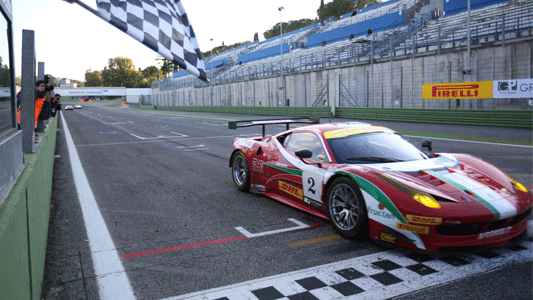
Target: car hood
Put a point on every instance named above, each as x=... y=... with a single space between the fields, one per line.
x=437 y=163
x=443 y=178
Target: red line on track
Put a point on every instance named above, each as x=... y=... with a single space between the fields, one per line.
x=181 y=247
x=317 y=224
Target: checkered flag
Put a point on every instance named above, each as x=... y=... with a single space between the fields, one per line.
x=162 y=25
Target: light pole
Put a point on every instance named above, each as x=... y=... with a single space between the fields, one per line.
x=211 y=62
x=284 y=92
x=159 y=58
x=469 y=39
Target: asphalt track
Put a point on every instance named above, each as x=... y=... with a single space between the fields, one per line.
x=162 y=185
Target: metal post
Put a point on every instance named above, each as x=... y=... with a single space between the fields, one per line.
x=503 y=29
x=27 y=94
x=284 y=92
x=438 y=41
x=469 y=57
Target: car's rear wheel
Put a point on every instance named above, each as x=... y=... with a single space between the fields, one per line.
x=240 y=171
x=346 y=208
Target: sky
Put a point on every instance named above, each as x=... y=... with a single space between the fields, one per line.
x=71 y=40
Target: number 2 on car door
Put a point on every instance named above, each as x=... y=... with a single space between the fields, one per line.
x=312 y=185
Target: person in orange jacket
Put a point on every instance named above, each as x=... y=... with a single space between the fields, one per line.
x=40 y=97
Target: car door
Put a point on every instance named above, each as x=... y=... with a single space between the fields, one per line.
x=311 y=171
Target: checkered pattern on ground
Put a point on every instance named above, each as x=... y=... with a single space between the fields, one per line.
x=376 y=276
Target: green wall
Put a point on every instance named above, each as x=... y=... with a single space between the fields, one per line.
x=24 y=218
x=502 y=118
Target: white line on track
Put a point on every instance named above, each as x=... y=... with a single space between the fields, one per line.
x=113 y=282
x=467 y=141
x=252 y=235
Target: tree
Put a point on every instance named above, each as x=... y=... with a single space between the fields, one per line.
x=168 y=67
x=150 y=74
x=287 y=27
x=93 y=78
x=5 y=74
x=338 y=8
x=120 y=72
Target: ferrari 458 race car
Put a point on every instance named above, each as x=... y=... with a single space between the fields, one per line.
x=370 y=181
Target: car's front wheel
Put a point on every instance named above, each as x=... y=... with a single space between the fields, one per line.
x=240 y=171
x=346 y=208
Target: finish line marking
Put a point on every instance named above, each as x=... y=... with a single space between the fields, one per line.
x=375 y=276
x=112 y=280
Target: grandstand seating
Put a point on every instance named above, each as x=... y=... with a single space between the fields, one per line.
x=486 y=26
x=261 y=60
x=452 y=7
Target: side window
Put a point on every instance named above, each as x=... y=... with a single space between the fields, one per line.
x=306 y=140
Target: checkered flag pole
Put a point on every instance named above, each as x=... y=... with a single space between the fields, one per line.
x=162 y=25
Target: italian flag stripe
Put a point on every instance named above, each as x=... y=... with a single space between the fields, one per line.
x=457 y=185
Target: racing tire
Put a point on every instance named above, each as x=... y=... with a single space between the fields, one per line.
x=240 y=171
x=346 y=208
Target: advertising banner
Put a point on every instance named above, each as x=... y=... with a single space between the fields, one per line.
x=458 y=90
x=514 y=88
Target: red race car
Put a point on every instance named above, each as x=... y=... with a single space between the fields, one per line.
x=370 y=181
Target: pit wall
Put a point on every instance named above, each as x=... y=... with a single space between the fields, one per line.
x=24 y=217
x=501 y=118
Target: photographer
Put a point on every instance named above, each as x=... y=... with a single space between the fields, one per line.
x=56 y=104
x=46 y=110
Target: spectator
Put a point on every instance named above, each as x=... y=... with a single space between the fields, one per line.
x=46 y=110
x=56 y=104
x=40 y=88
x=351 y=36
x=368 y=32
x=324 y=43
x=354 y=13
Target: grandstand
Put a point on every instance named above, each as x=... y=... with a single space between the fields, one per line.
x=402 y=30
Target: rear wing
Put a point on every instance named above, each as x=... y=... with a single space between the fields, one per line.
x=287 y=121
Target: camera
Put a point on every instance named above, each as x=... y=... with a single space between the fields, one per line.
x=48 y=87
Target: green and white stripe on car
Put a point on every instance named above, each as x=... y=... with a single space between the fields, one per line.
x=494 y=201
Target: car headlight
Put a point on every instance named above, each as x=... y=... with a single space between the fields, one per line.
x=518 y=186
x=426 y=200
x=421 y=197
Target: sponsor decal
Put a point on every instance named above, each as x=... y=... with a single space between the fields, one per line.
x=257 y=165
x=381 y=206
x=518 y=88
x=386 y=237
x=462 y=90
x=344 y=132
x=413 y=228
x=290 y=189
x=380 y=213
x=502 y=231
x=423 y=220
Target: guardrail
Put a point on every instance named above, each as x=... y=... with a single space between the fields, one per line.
x=499 y=118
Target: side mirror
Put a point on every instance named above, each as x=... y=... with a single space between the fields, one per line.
x=304 y=153
x=426 y=144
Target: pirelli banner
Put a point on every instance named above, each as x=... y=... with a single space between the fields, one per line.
x=519 y=88
x=460 y=90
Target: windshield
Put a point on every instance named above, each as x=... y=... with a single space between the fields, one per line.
x=376 y=147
